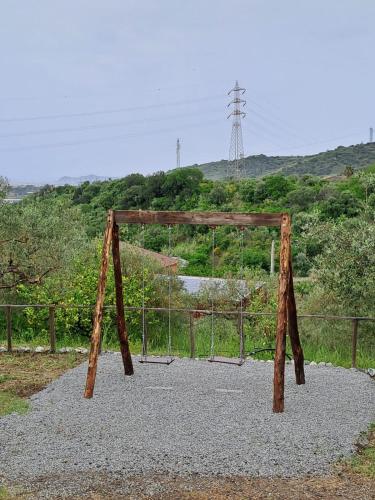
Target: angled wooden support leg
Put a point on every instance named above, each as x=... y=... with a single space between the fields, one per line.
x=98 y=315
x=293 y=330
x=121 y=324
x=282 y=316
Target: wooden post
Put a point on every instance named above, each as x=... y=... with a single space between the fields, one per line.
x=299 y=367
x=120 y=312
x=282 y=316
x=52 y=328
x=272 y=266
x=8 y=314
x=192 y=336
x=98 y=315
x=354 y=342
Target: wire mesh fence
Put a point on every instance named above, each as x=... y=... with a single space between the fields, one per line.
x=342 y=340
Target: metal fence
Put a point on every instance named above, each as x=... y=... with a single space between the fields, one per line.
x=8 y=309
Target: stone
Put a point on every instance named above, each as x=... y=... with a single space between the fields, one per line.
x=306 y=362
x=23 y=349
x=39 y=348
x=313 y=363
x=3 y=349
x=83 y=350
x=322 y=363
x=371 y=372
x=62 y=350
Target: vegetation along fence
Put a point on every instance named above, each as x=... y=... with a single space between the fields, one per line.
x=187 y=329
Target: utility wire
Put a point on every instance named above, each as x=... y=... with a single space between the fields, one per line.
x=107 y=111
x=100 y=126
x=100 y=139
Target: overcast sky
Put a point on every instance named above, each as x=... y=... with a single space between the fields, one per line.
x=105 y=87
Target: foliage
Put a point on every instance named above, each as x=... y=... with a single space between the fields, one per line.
x=326 y=163
x=4 y=187
x=37 y=238
x=345 y=267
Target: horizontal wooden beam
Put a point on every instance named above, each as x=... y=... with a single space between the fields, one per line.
x=206 y=218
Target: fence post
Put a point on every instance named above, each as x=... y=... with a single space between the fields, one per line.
x=354 y=342
x=52 y=329
x=8 y=314
x=192 y=336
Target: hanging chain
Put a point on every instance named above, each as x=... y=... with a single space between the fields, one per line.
x=242 y=292
x=144 y=346
x=212 y=295
x=169 y=292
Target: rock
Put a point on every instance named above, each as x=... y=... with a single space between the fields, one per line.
x=82 y=350
x=3 y=349
x=69 y=349
x=322 y=363
x=313 y=363
x=306 y=362
x=62 y=350
x=329 y=364
x=23 y=349
x=371 y=372
x=39 y=348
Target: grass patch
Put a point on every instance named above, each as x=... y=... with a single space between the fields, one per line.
x=363 y=462
x=10 y=403
x=23 y=374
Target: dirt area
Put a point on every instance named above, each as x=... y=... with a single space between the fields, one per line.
x=24 y=374
x=341 y=485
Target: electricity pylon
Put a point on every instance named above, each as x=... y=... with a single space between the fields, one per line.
x=235 y=165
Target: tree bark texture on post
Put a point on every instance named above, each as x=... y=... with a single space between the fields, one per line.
x=98 y=314
x=282 y=316
x=120 y=312
x=299 y=367
x=52 y=328
x=8 y=315
x=354 y=342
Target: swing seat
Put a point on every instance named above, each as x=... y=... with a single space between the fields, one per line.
x=227 y=361
x=157 y=360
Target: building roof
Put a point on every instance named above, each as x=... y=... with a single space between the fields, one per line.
x=164 y=260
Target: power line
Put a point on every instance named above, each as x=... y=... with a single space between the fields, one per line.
x=107 y=111
x=100 y=139
x=99 y=126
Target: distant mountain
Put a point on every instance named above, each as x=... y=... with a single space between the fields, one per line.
x=322 y=164
x=76 y=181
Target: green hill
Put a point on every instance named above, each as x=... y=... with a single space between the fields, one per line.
x=321 y=164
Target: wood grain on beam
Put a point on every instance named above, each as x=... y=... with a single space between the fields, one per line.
x=207 y=218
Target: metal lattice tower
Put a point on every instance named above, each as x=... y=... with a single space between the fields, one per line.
x=178 y=149
x=371 y=134
x=235 y=165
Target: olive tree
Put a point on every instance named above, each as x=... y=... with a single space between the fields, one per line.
x=345 y=266
x=37 y=238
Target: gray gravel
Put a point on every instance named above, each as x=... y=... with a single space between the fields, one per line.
x=190 y=417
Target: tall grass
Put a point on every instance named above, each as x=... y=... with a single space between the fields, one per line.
x=322 y=340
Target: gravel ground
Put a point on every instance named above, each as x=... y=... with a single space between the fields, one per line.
x=192 y=417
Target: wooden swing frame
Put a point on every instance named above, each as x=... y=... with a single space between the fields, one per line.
x=286 y=311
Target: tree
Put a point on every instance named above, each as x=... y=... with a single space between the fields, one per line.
x=4 y=186
x=218 y=195
x=345 y=269
x=38 y=238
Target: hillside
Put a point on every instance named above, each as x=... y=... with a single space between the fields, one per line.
x=321 y=164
